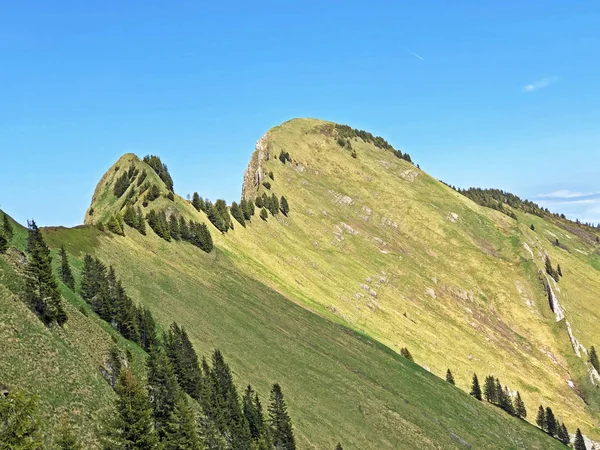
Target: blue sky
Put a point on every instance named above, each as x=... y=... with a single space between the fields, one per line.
x=499 y=95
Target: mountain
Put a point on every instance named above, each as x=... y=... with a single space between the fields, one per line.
x=374 y=256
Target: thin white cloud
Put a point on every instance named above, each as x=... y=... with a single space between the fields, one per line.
x=540 y=84
x=415 y=54
x=565 y=193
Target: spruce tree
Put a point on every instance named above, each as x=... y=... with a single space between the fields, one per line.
x=339 y=446
x=520 y=409
x=174 y=227
x=274 y=204
x=184 y=230
x=450 y=377
x=141 y=223
x=259 y=202
x=20 y=423
x=196 y=201
x=7 y=227
x=475 y=388
x=550 y=422
x=563 y=434
x=558 y=270
x=252 y=408
x=594 y=359
x=285 y=208
x=579 y=443
x=131 y=426
x=238 y=214
x=406 y=353
x=541 y=418
x=264 y=214
x=41 y=289
x=489 y=390
x=181 y=429
x=280 y=424
x=65 y=269
x=67 y=439
x=3 y=244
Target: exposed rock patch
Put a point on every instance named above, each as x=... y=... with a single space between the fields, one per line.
x=409 y=175
x=452 y=217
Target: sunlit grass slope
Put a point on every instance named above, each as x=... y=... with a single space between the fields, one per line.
x=379 y=245
x=60 y=366
x=340 y=386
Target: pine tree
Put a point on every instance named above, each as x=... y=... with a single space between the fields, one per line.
x=406 y=353
x=563 y=434
x=274 y=204
x=259 y=202
x=184 y=359
x=147 y=328
x=184 y=230
x=532 y=227
x=41 y=288
x=520 y=409
x=285 y=208
x=238 y=214
x=280 y=424
x=541 y=418
x=65 y=269
x=558 y=270
x=174 y=227
x=131 y=426
x=594 y=359
x=579 y=443
x=114 y=225
x=3 y=244
x=475 y=388
x=215 y=218
x=67 y=439
x=339 y=446
x=181 y=429
x=507 y=403
x=489 y=390
x=264 y=214
x=247 y=208
x=550 y=422
x=141 y=223
x=7 y=227
x=162 y=387
x=20 y=423
x=197 y=202
x=450 y=377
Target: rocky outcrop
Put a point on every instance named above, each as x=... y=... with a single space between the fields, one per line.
x=254 y=172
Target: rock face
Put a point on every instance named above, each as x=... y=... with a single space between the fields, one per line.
x=254 y=172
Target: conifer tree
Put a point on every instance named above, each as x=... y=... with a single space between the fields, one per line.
x=285 y=208
x=197 y=202
x=7 y=227
x=339 y=446
x=141 y=223
x=247 y=208
x=114 y=225
x=131 y=426
x=563 y=434
x=280 y=424
x=184 y=359
x=65 y=269
x=507 y=402
x=238 y=214
x=406 y=353
x=594 y=359
x=475 y=388
x=579 y=443
x=215 y=218
x=274 y=204
x=162 y=387
x=174 y=227
x=259 y=202
x=181 y=431
x=558 y=270
x=130 y=217
x=450 y=377
x=184 y=230
x=489 y=390
x=67 y=439
x=252 y=408
x=20 y=423
x=520 y=409
x=3 y=244
x=264 y=214
x=541 y=418
x=41 y=289
x=550 y=422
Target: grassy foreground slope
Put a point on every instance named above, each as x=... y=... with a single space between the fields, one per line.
x=379 y=245
x=340 y=386
x=60 y=366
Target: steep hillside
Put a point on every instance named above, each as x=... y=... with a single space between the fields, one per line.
x=375 y=243
x=374 y=256
x=61 y=366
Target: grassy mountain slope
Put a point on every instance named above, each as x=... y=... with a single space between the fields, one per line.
x=340 y=386
x=379 y=245
x=61 y=366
